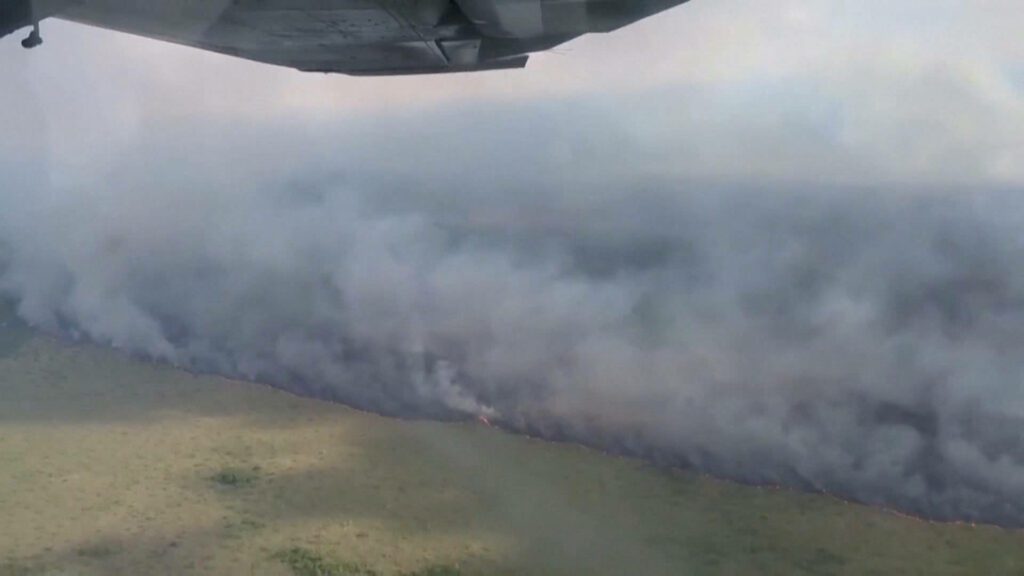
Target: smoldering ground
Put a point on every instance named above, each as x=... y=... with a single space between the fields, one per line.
x=762 y=280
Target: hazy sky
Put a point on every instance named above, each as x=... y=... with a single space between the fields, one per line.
x=916 y=91
x=778 y=241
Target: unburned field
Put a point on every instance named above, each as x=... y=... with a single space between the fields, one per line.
x=113 y=466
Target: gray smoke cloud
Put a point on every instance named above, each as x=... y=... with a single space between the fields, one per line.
x=865 y=342
x=626 y=271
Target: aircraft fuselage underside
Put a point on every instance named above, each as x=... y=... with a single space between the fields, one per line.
x=351 y=36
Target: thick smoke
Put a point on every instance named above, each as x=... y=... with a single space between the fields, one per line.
x=605 y=269
x=861 y=342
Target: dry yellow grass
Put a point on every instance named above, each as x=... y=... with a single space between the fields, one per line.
x=112 y=466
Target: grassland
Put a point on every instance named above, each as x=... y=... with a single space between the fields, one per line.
x=112 y=466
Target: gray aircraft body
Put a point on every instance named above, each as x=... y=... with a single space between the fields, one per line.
x=359 y=37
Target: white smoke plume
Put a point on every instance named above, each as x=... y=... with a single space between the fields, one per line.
x=778 y=252
x=865 y=342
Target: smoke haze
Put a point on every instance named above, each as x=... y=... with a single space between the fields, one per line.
x=815 y=281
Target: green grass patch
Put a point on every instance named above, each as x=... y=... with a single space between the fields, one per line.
x=242 y=528
x=306 y=562
x=16 y=569
x=437 y=570
x=236 y=477
x=96 y=551
x=823 y=561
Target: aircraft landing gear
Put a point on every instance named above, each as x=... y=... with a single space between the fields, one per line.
x=33 y=39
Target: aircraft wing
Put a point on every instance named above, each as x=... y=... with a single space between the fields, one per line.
x=358 y=37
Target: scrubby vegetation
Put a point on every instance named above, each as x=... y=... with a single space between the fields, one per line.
x=15 y=569
x=306 y=562
x=435 y=571
x=236 y=477
x=96 y=551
